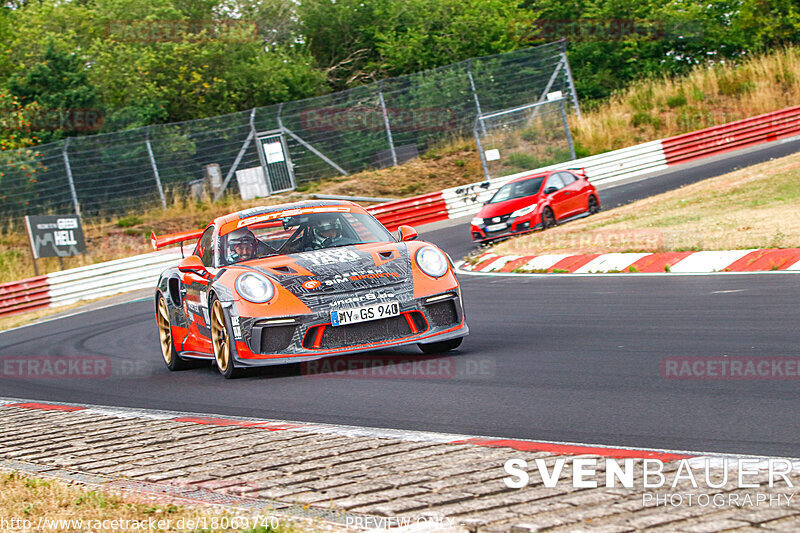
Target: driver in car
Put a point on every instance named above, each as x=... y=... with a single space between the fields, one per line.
x=326 y=232
x=242 y=245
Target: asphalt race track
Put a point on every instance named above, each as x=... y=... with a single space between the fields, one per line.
x=570 y=359
x=552 y=358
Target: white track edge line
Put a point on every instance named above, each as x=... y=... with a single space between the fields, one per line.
x=460 y=271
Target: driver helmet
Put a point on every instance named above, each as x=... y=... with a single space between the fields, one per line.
x=326 y=227
x=242 y=245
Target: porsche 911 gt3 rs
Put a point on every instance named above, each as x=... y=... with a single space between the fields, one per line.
x=296 y=282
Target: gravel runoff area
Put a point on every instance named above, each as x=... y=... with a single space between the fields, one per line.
x=363 y=478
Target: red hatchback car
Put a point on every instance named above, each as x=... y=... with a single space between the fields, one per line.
x=536 y=201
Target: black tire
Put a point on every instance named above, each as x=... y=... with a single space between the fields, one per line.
x=171 y=358
x=548 y=218
x=440 y=347
x=222 y=341
x=594 y=207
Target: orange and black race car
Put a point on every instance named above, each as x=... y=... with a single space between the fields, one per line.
x=295 y=282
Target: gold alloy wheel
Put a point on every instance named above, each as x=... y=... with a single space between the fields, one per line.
x=219 y=338
x=164 y=330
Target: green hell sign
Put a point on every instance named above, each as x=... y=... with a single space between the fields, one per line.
x=55 y=236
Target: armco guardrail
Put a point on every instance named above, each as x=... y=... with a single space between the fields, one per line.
x=26 y=295
x=732 y=136
x=141 y=271
x=112 y=277
x=417 y=210
x=85 y=283
x=603 y=168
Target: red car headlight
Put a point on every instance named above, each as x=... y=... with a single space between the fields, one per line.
x=524 y=211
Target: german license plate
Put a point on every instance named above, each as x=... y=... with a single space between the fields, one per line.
x=496 y=227
x=343 y=317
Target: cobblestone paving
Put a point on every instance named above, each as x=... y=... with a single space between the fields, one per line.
x=388 y=477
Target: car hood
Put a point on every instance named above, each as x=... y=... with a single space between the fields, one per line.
x=507 y=207
x=334 y=273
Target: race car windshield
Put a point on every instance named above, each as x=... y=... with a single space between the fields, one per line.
x=303 y=233
x=517 y=189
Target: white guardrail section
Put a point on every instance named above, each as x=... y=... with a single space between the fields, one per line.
x=603 y=168
x=111 y=277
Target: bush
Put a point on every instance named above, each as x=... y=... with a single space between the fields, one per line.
x=129 y=221
x=733 y=86
x=676 y=101
x=641 y=119
x=522 y=160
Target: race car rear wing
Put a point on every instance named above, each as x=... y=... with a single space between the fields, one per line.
x=159 y=242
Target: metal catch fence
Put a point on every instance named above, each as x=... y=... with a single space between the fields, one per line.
x=278 y=147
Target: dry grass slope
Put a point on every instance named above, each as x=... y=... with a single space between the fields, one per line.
x=656 y=109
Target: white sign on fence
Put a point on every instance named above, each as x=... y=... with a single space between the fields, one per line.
x=274 y=152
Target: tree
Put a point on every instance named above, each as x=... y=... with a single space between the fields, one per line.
x=20 y=165
x=359 y=41
x=59 y=86
x=611 y=43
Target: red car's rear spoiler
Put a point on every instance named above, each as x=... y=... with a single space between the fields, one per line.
x=172 y=238
x=581 y=171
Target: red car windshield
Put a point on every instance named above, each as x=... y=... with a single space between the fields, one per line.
x=517 y=189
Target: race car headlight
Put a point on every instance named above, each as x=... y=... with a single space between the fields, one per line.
x=524 y=211
x=432 y=261
x=255 y=288
x=476 y=221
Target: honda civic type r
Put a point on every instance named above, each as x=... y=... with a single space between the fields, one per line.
x=536 y=201
x=296 y=282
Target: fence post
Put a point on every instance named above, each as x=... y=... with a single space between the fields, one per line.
x=155 y=169
x=260 y=152
x=569 y=78
x=239 y=156
x=480 y=147
x=289 y=164
x=475 y=95
x=69 y=178
x=563 y=107
x=386 y=123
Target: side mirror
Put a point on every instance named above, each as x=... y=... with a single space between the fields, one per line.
x=193 y=264
x=550 y=190
x=407 y=233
